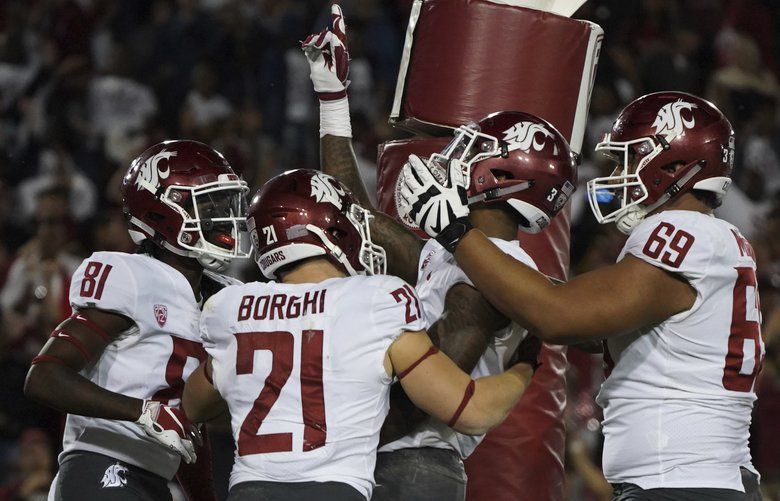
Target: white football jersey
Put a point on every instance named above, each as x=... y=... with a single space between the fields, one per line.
x=152 y=359
x=301 y=367
x=437 y=273
x=678 y=400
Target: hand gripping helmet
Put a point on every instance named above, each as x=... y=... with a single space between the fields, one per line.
x=517 y=158
x=304 y=213
x=184 y=197
x=664 y=144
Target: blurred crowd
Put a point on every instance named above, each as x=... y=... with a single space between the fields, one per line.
x=86 y=85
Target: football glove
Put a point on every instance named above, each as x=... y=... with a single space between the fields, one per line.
x=528 y=352
x=436 y=200
x=328 y=58
x=170 y=428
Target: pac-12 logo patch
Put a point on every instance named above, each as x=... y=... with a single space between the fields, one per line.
x=114 y=476
x=161 y=314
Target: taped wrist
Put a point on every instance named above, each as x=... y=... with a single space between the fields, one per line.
x=334 y=118
x=463 y=403
x=450 y=237
x=150 y=409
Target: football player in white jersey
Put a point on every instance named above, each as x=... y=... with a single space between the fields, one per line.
x=521 y=183
x=117 y=366
x=305 y=365
x=679 y=309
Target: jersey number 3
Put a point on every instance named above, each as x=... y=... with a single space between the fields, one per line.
x=281 y=344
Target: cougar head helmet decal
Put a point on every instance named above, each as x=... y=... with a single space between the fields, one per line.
x=150 y=173
x=324 y=190
x=670 y=123
x=523 y=136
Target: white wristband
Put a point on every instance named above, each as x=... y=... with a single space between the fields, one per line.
x=334 y=118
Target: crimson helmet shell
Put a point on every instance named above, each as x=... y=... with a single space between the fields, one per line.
x=665 y=144
x=305 y=213
x=517 y=158
x=164 y=194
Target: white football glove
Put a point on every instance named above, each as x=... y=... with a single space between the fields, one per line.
x=328 y=58
x=171 y=428
x=435 y=200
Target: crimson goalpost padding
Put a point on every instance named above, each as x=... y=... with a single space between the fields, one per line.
x=522 y=458
x=462 y=60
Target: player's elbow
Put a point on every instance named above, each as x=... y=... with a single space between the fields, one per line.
x=555 y=329
x=35 y=386
x=192 y=410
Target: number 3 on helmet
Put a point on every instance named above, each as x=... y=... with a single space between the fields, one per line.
x=184 y=197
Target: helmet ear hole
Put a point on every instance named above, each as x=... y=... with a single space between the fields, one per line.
x=673 y=167
x=502 y=175
x=337 y=233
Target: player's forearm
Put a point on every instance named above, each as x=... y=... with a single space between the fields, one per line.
x=200 y=400
x=337 y=158
x=201 y=411
x=493 y=399
x=464 y=347
x=466 y=326
x=402 y=418
x=66 y=390
x=518 y=291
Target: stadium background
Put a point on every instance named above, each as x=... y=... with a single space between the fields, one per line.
x=86 y=85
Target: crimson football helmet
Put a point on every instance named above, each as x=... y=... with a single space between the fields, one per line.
x=664 y=144
x=184 y=197
x=517 y=158
x=305 y=213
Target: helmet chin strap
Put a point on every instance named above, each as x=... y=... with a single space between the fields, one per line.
x=333 y=248
x=208 y=261
x=495 y=193
x=635 y=214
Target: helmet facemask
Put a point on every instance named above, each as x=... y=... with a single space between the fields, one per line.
x=462 y=152
x=624 y=187
x=371 y=256
x=213 y=226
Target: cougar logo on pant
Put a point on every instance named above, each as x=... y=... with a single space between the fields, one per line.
x=115 y=476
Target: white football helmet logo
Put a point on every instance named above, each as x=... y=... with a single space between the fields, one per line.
x=324 y=189
x=115 y=476
x=670 y=123
x=150 y=172
x=523 y=136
